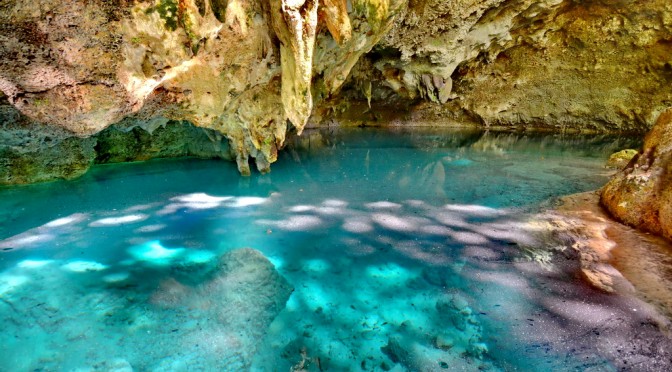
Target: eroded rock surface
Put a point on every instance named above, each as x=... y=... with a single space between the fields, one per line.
x=641 y=194
x=32 y=152
x=525 y=63
x=247 y=69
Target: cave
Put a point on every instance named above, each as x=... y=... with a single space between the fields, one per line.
x=336 y=185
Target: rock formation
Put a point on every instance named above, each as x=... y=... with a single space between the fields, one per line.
x=215 y=323
x=245 y=69
x=641 y=194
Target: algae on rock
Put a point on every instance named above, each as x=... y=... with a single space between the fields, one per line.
x=247 y=69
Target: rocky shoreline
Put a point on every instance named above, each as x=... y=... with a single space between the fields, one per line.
x=613 y=257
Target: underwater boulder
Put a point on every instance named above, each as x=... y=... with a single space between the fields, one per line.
x=233 y=310
x=141 y=324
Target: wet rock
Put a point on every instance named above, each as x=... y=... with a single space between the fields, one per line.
x=641 y=194
x=66 y=159
x=127 y=142
x=216 y=324
x=620 y=159
x=32 y=152
x=613 y=257
x=443 y=343
x=456 y=310
x=239 y=303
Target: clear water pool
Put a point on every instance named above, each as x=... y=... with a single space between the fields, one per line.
x=396 y=251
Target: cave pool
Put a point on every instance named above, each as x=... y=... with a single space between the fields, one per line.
x=406 y=251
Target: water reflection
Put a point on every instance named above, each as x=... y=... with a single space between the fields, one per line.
x=404 y=252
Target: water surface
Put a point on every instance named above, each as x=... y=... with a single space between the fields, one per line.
x=405 y=251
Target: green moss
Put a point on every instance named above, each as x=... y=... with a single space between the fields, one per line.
x=41 y=102
x=67 y=159
x=176 y=139
x=219 y=9
x=375 y=11
x=621 y=158
x=175 y=14
x=168 y=11
x=187 y=25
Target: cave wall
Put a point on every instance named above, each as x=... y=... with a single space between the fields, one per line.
x=253 y=71
x=587 y=65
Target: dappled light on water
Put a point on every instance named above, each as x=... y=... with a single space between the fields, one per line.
x=371 y=252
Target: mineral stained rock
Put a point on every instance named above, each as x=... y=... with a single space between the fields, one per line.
x=32 y=152
x=641 y=194
x=248 y=69
x=525 y=63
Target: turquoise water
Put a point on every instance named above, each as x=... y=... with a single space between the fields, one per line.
x=395 y=251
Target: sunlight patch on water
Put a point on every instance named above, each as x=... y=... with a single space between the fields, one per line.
x=151 y=228
x=113 y=221
x=476 y=210
x=25 y=240
x=33 y=264
x=357 y=225
x=301 y=208
x=201 y=200
x=316 y=265
x=392 y=222
x=246 y=201
x=200 y=257
x=83 y=266
x=117 y=277
x=382 y=205
x=155 y=253
x=9 y=283
x=389 y=274
x=294 y=223
x=74 y=218
x=409 y=263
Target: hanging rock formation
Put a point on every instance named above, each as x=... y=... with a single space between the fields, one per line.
x=248 y=69
x=295 y=24
x=567 y=65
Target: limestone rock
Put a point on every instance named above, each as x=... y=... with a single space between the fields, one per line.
x=621 y=158
x=33 y=152
x=641 y=194
x=247 y=69
x=527 y=63
x=295 y=24
x=335 y=13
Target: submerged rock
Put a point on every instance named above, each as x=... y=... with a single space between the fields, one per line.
x=641 y=194
x=217 y=324
x=241 y=299
x=239 y=302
